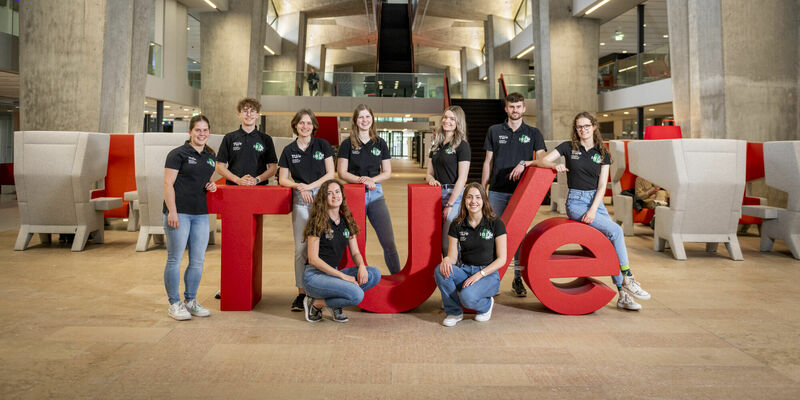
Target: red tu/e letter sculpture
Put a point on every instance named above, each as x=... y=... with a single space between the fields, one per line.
x=241 y=249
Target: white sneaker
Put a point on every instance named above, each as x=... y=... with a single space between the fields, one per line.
x=196 y=309
x=179 y=312
x=483 y=317
x=452 y=320
x=629 y=283
x=627 y=302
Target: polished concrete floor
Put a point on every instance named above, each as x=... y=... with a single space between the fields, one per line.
x=94 y=324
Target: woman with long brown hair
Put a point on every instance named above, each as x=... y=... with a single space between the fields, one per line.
x=330 y=230
x=364 y=159
x=474 y=280
x=305 y=164
x=587 y=167
x=448 y=165
x=187 y=177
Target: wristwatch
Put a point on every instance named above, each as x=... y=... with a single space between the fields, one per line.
x=522 y=162
x=483 y=273
x=258 y=180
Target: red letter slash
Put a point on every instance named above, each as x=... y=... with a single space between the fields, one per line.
x=598 y=258
x=241 y=208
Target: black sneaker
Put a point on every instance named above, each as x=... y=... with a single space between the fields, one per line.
x=338 y=315
x=313 y=314
x=219 y=294
x=297 y=304
x=519 y=288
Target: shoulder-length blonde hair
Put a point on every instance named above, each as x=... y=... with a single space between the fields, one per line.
x=355 y=143
x=598 y=137
x=318 y=219
x=486 y=210
x=460 y=132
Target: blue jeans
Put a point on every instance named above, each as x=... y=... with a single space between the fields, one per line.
x=450 y=217
x=192 y=231
x=476 y=296
x=338 y=292
x=300 y=213
x=378 y=214
x=578 y=202
x=499 y=202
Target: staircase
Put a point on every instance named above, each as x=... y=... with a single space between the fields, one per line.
x=481 y=114
x=395 y=51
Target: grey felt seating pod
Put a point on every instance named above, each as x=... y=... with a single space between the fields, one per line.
x=781 y=171
x=705 y=178
x=54 y=174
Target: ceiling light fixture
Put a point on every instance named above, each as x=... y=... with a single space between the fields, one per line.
x=665 y=36
x=524 y=53
x=618 y=35
x=602 y=43
x=598 y=5
x=626 y=113
x=605 y=115
x=211 y=4
x=648 y=62
x=624 y=51
x=269 y=50
x=651 y=109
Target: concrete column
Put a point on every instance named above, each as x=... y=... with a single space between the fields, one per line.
x=233 y=60
x=301 y=52
x=463 y=55
x=566 y=66
x=323 y=52
x=738 y=84
x=488 y=42
x=83 y=65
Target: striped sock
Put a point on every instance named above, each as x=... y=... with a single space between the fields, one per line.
x=626 y=270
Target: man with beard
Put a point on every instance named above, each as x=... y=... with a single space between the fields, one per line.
x=510 y=148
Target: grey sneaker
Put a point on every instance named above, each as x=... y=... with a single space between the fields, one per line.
x=452 y=320
x=630 y=284
x=338 y=315
x=626 y=302
x=483 y=317
x=179 y=312
x=519 y=288
x=297 y=304
x=313 y=314
x=196 y=309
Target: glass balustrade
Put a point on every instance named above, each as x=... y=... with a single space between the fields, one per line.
x=354 y=84
x=649 y=66
x=523 y=84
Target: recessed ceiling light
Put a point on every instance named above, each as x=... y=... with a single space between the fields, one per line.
x=665 y=36
x=624 y=51
x=651 y=109
x=167 y=106
x=626 y=113
x=172 y=115
x=605 y=115
x=408 y=115
x=602 y=43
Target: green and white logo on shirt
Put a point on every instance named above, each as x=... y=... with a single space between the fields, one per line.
x=211 y=162
x=259 y=147
x=376 y=151
x=318 y=155
x=596 y=158
x=524 y=138
x=486 y=234
x=449 y=150
x=346 y=233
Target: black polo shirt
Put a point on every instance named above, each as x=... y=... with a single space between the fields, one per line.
x=445 y=161
x=477 y=244
x=333 y=243
x=247 y=153
x=509 y=149
x=194 y=171
x=584 y=166
x=309 y=165
x=366 y=161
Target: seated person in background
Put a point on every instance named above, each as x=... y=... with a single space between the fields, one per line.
x=650 y=194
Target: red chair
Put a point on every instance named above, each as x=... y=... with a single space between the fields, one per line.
x=754 y=170
x=656 y=132
x=121 y=174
